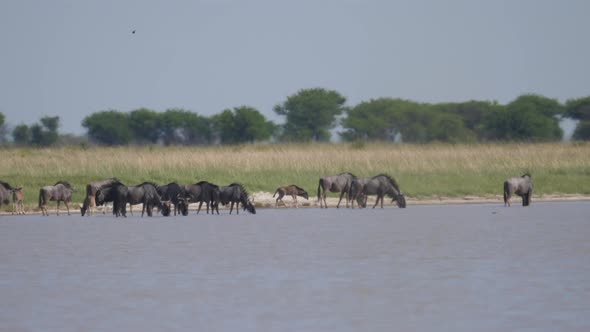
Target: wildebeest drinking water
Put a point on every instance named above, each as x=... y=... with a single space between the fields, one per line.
x=174 y=194
x=235 y=193
x=90 y=199
x=146 y=195
x=336 y=184
x=354 y=192
x=292 y=190
x=382 y=185
x=203 y=191
x=60 y=192
x=521 y=186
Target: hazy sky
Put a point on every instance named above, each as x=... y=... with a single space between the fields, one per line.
x=74 y=58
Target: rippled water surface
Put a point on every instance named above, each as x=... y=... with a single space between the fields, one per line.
x=424 y=268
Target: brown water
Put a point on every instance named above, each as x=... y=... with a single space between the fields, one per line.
x=424 y=268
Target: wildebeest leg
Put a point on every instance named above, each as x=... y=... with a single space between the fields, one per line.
x=57 y=207
x=67 y=207
x=199 y=208
x=340 y=200
x=294 y=199
x=377 y=201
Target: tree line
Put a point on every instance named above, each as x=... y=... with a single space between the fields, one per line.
x=311 y=114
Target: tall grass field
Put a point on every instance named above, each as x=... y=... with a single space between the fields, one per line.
x=423 y=171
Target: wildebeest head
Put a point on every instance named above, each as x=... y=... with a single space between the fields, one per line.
x=250 y=207
x=401 y=200
x=182 y=205
x=164 y=207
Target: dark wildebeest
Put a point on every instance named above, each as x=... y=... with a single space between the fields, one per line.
x=147 y=195
x=60 y=192
x=521 y=186
x=235 y=193
x=116 y=193
x=18 y=200
x=5 y=193
x=354 y=192
x=203 y=191
x=382 y=185
x=292 y=190
x=174 y=194
x=336 y=184
x=90 y=199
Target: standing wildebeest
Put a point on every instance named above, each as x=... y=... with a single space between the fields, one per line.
x=146 y=195
x=18 y=198
x=90 y=199
x=522 y=186
x=5 y=193
x=354 y=192
x=336 y=184
x=235 y=193
x=382 y=185
x=116 y=193
x=292 y=190
x=61 y=191
x=173 y=193
x=203 y=191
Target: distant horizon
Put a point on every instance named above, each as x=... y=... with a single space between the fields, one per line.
x=72 y=59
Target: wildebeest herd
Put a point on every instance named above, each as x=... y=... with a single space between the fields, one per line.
x=175 y=198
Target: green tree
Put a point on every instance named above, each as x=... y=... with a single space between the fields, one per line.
x=21 y=135
x=145 y=125
x=242 y=124
x=522 y=121
x=108 y=128
x=579 y=109
x=180 y=126
x=3 y=129
x=311 y=113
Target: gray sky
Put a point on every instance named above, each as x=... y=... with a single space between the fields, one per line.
x=74 y=58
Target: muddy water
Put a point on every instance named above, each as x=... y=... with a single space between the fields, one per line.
x=424 y=268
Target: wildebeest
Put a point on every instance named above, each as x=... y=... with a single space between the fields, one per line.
x=292 y=190
x=174 y=193
x=203 y=191
x=354 y=191
x=235 y=193
x=5 y=193
x=336 y=184
x=146 y=195
x=60 y=192
x=116 y=193
x=90 y=199
x=18 y=198
x=521 y=186
x=382 y=185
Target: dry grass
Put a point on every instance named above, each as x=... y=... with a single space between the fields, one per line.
x=422 y=170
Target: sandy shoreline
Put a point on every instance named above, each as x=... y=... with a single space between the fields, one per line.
x=265 y=200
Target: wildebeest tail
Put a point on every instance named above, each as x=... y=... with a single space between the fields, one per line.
x=41 y=197
x=273 y=196
x=320 y=185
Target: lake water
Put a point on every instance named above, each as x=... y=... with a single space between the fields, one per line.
x=424 y=268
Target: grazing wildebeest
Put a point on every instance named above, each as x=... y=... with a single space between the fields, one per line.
x=174 y=193
x=292 y=190
x=382 y=185
x=235 y=193
x=5 y=193
x=146 y=195
x=203 y=191
x=521 y=186
x=116 y=193
x=18 y=201
x=90 y=199
x=354 y=192
x=60 y=192
x=336 y=184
